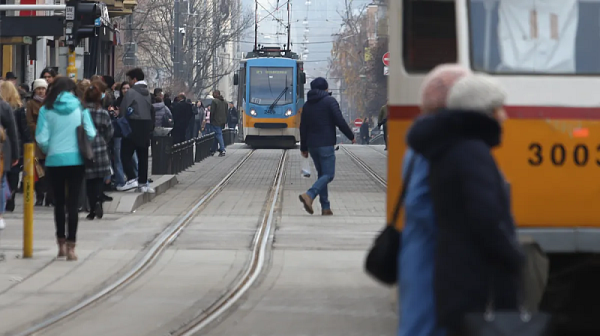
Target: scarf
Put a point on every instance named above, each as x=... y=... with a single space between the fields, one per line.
x=38 y=98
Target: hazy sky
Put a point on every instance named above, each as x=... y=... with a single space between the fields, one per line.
x=313 y=24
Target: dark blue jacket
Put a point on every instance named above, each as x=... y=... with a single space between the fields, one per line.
x=320 y=116
x=477 y=251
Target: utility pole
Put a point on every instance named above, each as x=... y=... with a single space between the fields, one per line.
x=177 y=42
x=131 y=49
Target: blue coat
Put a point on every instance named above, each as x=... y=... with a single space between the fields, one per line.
x=417 y=255
x=56 y=133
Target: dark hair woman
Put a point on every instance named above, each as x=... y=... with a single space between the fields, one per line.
x=49 y=75
x=56 y=136
x=100 y=169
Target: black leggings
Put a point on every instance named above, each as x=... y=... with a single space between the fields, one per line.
x=94 y=192
x=66 y=184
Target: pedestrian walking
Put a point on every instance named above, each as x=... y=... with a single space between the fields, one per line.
x=416 y=256
x=96 y=173
x=232 y=116
x=218 y=120
x=321 y=115
x=56 y=136
x=382 y=121
x=482 y=260
x=138 y=112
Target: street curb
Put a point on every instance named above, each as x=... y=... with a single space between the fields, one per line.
x=127 y=202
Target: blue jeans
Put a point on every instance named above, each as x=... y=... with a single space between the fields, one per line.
x=218 y=139
x=118 y=165
x=4 y=192
x=324 y=160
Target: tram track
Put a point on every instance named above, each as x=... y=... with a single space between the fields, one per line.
x=251 y=271
x=364 y=166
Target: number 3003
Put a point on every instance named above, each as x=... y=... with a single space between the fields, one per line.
x=558 y=155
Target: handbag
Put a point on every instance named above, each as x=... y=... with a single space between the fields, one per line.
x=521 y=322
x=84 y=144
x=382 y=259
x=39 y=170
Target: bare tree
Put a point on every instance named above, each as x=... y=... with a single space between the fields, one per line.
x=206 y=28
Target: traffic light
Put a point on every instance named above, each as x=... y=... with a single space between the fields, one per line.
x=81 y=19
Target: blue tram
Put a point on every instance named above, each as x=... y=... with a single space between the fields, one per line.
x=270 y=97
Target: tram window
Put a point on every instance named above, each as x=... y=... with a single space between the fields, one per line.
x=429 y=34
x=543 y=37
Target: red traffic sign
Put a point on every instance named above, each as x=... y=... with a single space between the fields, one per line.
x=386 y=59
x=358 y=122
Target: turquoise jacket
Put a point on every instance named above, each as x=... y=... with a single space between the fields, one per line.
x=56 y=131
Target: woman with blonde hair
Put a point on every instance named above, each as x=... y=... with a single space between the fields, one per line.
x=10 y=148
x=11 y=95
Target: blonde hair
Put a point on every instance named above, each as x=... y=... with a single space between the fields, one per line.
x=437 y=85
x=10 y=94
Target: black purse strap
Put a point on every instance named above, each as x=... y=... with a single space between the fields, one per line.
x=405 y=182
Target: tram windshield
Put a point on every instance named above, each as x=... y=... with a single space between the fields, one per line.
x=532 y=36
x=268 y=85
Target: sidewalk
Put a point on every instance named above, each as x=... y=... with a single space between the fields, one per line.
x=31 y=289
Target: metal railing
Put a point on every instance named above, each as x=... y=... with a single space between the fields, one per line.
x=169 y=158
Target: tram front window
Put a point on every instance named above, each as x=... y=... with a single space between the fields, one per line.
x=531 y=36
x=268 y=84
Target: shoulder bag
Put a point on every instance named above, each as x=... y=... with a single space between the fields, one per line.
x=85 y=146
x=382 y=259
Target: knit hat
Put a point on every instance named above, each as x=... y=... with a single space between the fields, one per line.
x=40 y=83
x=437 y=84
x=319 y=83
x=476 y=93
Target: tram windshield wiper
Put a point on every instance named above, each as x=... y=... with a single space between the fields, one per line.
x=270 y=110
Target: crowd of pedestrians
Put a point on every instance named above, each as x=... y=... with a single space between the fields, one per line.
x=117 y=119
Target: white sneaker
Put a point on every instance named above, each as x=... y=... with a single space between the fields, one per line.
x=131 y=184
x=146 y=189
x=2 y=224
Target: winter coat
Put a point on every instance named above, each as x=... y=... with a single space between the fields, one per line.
x=182 y=114
x=32 y=111
x=23 y=132
x=161 y=110
x=416 y=261
x=364 y=130
x=56 y=132
x=10 y=148
x=104 y=132
x=321 y=114
x=218 y=112
x=142 y=117
x=477 y=251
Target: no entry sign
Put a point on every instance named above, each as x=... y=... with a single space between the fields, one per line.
x=386 y=59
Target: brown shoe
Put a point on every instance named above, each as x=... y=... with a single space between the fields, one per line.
x=62 y=249
x=71 y=256
x=307 y=201
x=327 y=212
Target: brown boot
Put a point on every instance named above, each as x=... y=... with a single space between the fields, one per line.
x=62 y=249
x=71 y=256
x=307 y=201
x=327 y=212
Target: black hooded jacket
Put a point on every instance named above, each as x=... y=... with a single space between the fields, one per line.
x=320 y=116
x=477 y=251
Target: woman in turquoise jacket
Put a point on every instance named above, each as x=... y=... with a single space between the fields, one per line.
x=56 y=135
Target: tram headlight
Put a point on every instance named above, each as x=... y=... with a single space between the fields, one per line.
x=288 y=113
x=252 y=112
